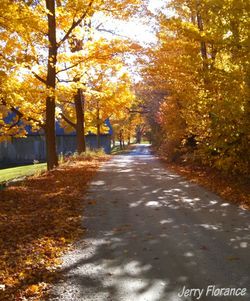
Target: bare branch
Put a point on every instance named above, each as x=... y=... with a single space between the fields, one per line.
x=65 y=80
x=111 y=32
x=68 y=68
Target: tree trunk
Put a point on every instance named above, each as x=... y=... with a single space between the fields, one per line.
x=121 y=138
x=129 y=138
x=80 y=135
x=139 y=132
x=203 y=43
x=50 y=132
x=98 y=136
x=98 y=126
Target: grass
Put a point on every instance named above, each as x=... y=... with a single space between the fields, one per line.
x=145 y=142
x=117 y=151
x=8 y=174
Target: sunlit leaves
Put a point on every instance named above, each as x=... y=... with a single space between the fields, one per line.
x=205 y=69
x=39 y=220
x=24 y=60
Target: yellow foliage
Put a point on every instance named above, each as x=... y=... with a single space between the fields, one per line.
x=202 y=62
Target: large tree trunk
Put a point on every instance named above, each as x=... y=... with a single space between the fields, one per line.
x=80 y=135
x=50 y=133
x=76 y=45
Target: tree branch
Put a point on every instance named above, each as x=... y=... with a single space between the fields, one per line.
x=65 y=80
x=68 y=68
x=15 y=123
x=20 y=115
x=75 y=24
x=143 y=111
x=111 y=32
x=39 y=77
x=36 y=75
x=68 y=120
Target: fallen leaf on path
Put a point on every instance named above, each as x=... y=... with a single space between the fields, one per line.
x=204 y=248
x=122 y=228
x=92 y=202
x=233 y=258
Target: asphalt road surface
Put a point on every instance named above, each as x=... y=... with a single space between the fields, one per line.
x=151 y=235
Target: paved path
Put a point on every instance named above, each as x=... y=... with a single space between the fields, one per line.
x=150 y=233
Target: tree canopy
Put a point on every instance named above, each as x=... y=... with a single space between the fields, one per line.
x=192 y=83
x=200 y=66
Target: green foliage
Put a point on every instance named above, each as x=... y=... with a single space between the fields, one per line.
x=8 y=174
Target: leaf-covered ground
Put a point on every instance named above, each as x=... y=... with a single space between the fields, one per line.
x=39 y=219
x=234 y=189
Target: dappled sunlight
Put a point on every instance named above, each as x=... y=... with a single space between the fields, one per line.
x=243 y=244
x=169 y=220
x=177 y=229
x=153 y=204
x=135 y=204
x=98 y=183
x=126 y=170
x=209 y=227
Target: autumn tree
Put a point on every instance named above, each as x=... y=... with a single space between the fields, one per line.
x=41 y=31
x=99 y=60
x=110 y=94
x=44 y=47
x=202 y=63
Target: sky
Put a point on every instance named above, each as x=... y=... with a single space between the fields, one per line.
x=136 y=29
x=139 y=31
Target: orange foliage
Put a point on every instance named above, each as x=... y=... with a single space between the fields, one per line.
x=236 y=191
x=39 y=219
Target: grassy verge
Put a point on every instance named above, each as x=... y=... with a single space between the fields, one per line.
x=8 y=174
x=117 y=151
x=39 y=220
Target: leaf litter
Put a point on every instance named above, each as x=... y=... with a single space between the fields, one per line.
x=39 y=220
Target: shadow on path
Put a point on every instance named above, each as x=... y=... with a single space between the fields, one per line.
x=150 y=232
